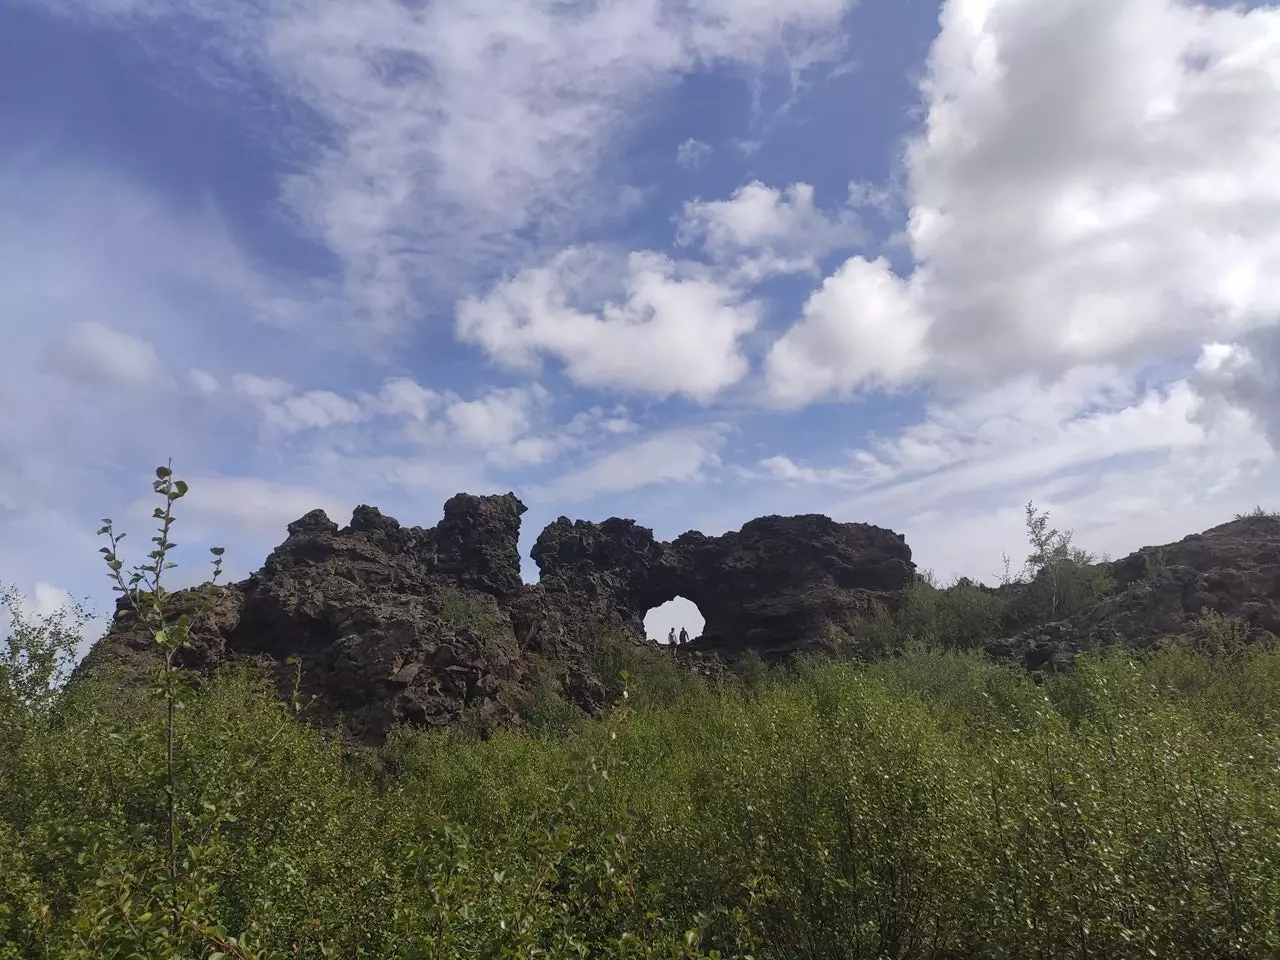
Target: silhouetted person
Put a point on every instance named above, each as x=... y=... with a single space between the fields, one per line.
x=684 y=636
x=671 y=636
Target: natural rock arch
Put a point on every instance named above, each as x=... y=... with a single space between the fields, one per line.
x=776 y=585
x=409 y=624
x=675 y=614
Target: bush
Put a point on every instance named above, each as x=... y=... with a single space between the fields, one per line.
x=933 y=805
x=960 y=617
x=1258 y=511
x=1059 y=579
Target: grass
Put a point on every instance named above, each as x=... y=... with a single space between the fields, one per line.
x=930 y=804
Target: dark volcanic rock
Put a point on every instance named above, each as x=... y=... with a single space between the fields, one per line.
x=405 y=624
x=1232 y=569
x=778 y=585
x=391 y=624
x=785 y=583
x=397 y=624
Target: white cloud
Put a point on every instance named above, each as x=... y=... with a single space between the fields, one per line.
x=779 y=467
x=94 y=354
x=1245 y=378
x=252 y=505
x=401 y=396
x=498 y=418
x=510 y=426
x=675 y=329
x=1094 y=184
x=1124 y=466
x=451 y=126
x=761 y=231
x=48 y=600
x=1024 y=432
x=205 y=383
x=861 y=329
x=681 y=455
x=693 y=153
x=284 y=411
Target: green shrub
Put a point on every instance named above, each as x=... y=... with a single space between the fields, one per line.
x=478 y=613
x=654 y=676
x=1258 y=511
x=1059 y=579
x=959 y=617
x=932 y=805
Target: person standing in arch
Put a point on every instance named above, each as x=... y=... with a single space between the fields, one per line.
x=684 y=636
x=671 y=636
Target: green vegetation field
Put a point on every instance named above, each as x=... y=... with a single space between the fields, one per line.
x=927 y=805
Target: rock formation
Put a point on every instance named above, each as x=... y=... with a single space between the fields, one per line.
x=395 y=624
x=1232 y=569
x=399 y=624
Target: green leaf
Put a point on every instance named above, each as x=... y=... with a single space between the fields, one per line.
x=163 y=473
x=217 y=551
x=181 y=487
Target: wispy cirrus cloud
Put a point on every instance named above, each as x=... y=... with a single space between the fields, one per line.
x=444 y=131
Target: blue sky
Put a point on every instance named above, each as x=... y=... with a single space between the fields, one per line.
x=689 y=261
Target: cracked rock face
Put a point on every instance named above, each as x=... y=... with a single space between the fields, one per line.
x=1231 y=569
x=396 y=624
x=390 y=623
x=778 y=585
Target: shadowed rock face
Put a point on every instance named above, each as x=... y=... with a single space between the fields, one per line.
x=778 y=585
x=407 y=624
x=1232 y=569
x=391 y=623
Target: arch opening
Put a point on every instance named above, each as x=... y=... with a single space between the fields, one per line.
x=674 y=615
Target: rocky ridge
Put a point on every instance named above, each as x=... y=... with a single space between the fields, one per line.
x=1232 y=569
x=394 y=624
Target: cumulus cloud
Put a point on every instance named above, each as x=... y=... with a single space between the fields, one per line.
x=401 y=396
x=862 y=329
x=693 y=153
x=93 y=354
x=510 y=427
x=1124 y=465
x=761 y=231
x=203 y=382
x=288 y=412
x=498 y=418
x=1243 y=377
x=1094 y=184
x=1021 y=432
x=47 y=599
x=671 y=329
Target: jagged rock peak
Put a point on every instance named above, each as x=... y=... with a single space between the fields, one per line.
x=398 y=623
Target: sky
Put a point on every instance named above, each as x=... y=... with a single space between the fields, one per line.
x=904 y=262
